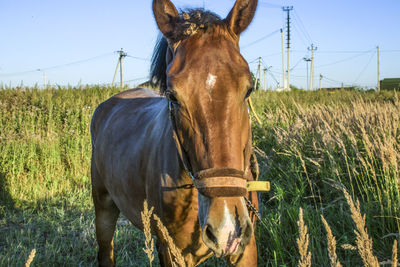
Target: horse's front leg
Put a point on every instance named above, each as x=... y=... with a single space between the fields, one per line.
x=106 y=217
x=248 y=258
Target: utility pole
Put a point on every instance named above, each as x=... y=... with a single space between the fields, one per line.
x=258 y=74
x=122 y=54
x=379 y=74
x=288 y=9
x=265 y=79
x=115 y=73
x=312 y=49
x=283 y=61
x=307 y=59
x=44 y=79
x=320 y=81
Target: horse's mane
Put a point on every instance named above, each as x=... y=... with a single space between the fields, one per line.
x=192 y=20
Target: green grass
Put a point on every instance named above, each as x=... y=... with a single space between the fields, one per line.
x=309 y=143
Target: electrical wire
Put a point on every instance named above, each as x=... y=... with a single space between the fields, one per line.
x=273 y=77
x=291 y=75
x=295 y=65
x=344 y=60
x=301 y=38
x=332 y=80
x=343 y=51
x=274 y=54
x=140 y=58
x=260 y=39
x=389 y=51
x=269 y=5
x=55 y=67
x=136 y=79
x=305 y=32
x=365 y=68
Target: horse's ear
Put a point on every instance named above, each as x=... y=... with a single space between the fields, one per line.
x=241 y=15
x=166 y=16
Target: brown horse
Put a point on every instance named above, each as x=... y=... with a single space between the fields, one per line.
x=188 y=154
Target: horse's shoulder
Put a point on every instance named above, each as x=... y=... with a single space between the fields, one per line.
x=136 y=93
x=123 y=100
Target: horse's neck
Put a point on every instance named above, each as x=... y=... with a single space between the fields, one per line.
x=168 y=157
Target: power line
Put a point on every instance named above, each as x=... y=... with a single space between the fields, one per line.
x=136 y=79
x=295 y=65
x=269 y=5
x=56 y=67
x=274 y=54
x=260 y=39
x=343 y=51
x=65 y=65
x=390 y=51
x=344 y=60
x=301 y=38
x=273 y=77
x=349 y=51
x=279 y=73
x=302 y=27
x=140 y=58
x=365 y=68
x=334 y=81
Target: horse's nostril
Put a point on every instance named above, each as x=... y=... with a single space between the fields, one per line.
x=210 y=234
x=246 y=231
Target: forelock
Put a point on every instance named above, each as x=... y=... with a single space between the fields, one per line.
x=193 y=20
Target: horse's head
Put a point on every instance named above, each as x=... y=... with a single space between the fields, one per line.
x=207 y=82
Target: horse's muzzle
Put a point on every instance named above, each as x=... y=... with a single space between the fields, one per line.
x=221 y=182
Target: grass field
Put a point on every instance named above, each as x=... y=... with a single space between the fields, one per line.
x=309 y=146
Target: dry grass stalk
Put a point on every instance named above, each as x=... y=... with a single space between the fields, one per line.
x=149 y=242
x=173 y=249
x=363 y=241
x=302 y=243
x=394 y=255
x=348 y=247
x=30 y=258
x=331 y=245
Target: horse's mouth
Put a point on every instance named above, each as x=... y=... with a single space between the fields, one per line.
x=233 y=248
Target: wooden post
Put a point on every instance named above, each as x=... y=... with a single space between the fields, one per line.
x=122 y=54
x=312 y=67
x=283 y=61
x=265 y=79
x=379 y=74
x=120 y=69
x=320 y=81
x=115 y=73
x=258 y=74
x=44 y=80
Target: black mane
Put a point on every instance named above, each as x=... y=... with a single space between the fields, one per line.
x=191 y=21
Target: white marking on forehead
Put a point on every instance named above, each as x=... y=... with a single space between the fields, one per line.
x=211 y=80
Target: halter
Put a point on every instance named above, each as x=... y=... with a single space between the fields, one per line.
x=215 y=182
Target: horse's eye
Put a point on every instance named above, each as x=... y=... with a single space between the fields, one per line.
x=249 y=91
x=171 y=97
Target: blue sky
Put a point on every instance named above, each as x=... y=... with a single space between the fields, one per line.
x=41 y=34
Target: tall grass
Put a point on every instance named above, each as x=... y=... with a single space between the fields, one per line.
x=312 y=141
x=309 y=144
